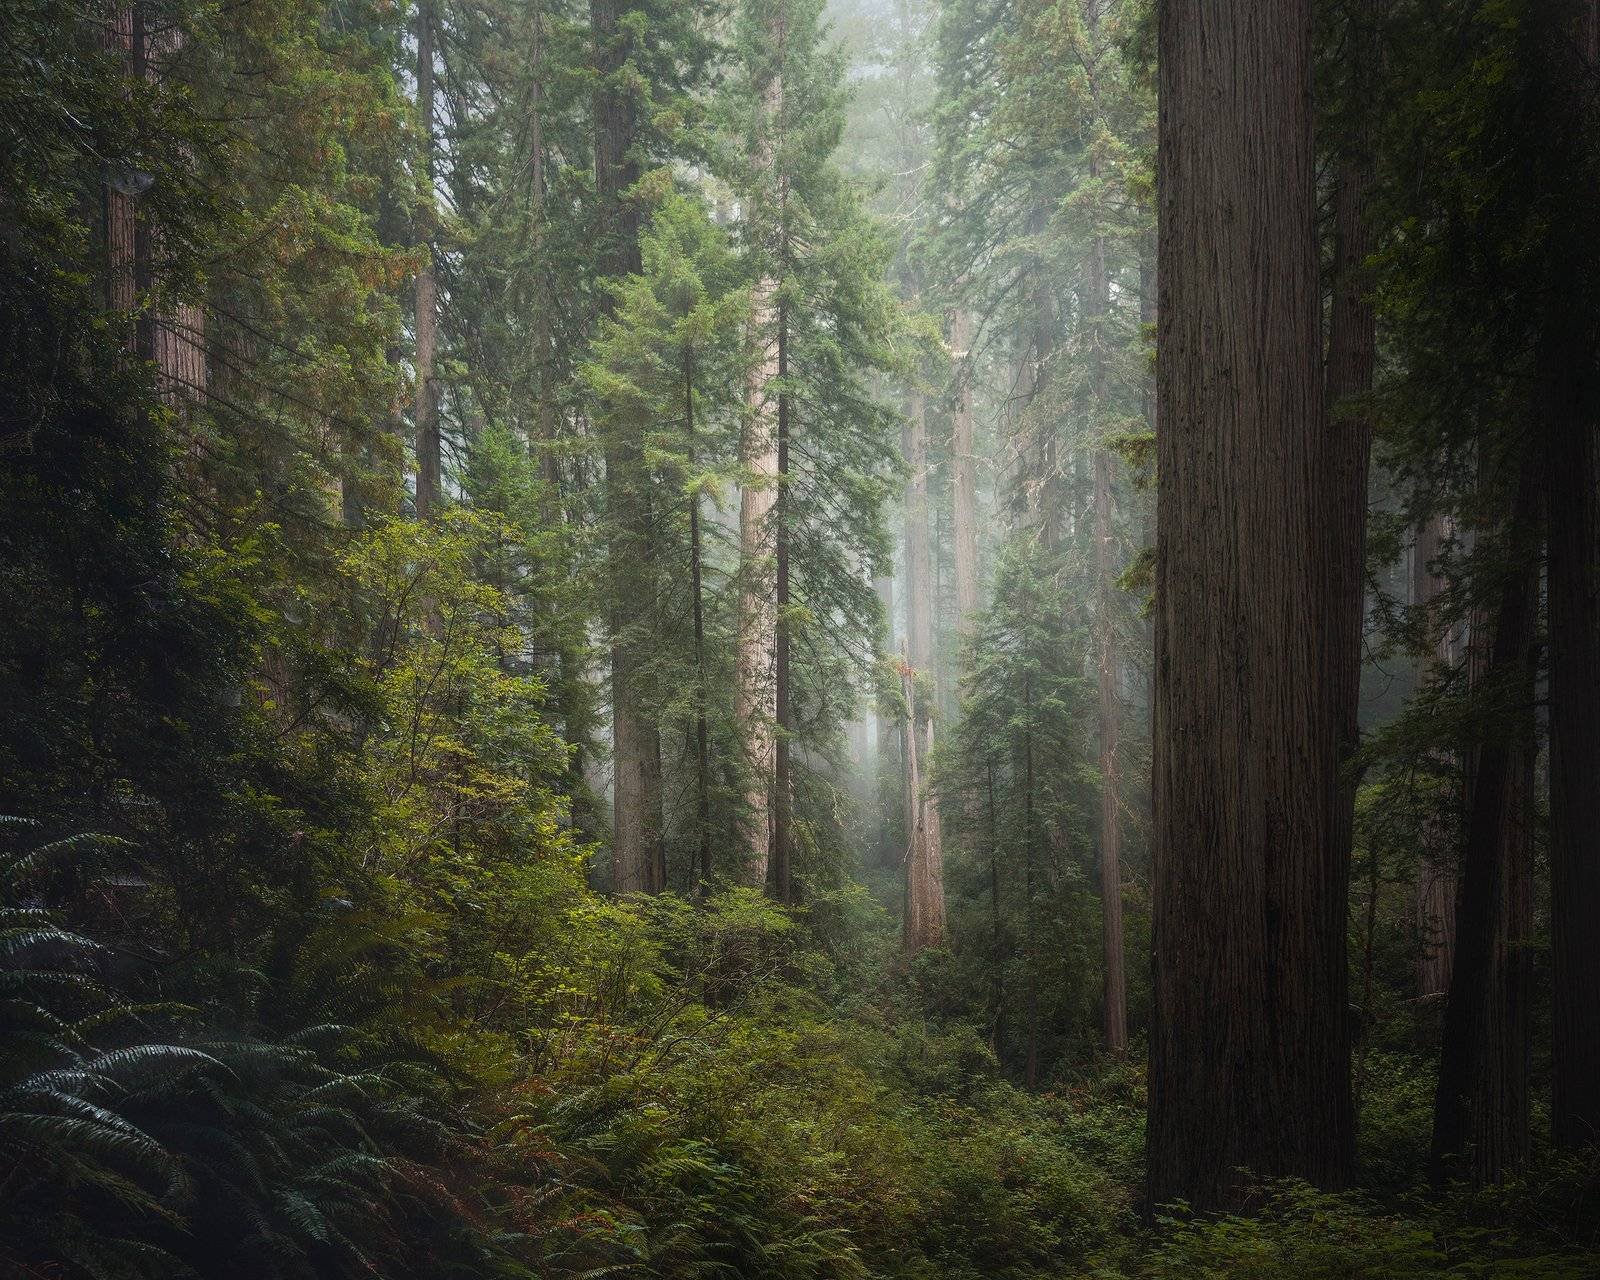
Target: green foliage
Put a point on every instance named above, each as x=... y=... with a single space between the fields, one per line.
x=329 y=992
x=1302 y=1232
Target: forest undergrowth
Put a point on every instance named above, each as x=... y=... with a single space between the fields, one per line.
x=582 y=678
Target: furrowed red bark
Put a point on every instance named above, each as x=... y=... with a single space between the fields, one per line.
x=927 y=864
x=1249 y=1050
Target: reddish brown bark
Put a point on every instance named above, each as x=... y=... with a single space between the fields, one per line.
x=924 y=921
x=1249 y=1052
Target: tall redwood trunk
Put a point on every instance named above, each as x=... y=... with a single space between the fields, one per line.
x=755 y=707
x=637 y=856
x=927 y=865
x=924 y=919
x=426 y=320
x=1249 y=1050
x=1569 y=403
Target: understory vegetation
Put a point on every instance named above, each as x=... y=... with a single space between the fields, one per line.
x=584 y=642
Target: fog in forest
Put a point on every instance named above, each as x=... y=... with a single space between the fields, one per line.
x=800 y=639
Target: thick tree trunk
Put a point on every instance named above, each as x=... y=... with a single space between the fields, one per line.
x=426 y=319
x=1569 y=402
x=964 y=476
x=1573 y=494
x=1481 y=1107
x=919 y=626
x=755 y=708
x=1572 y=487
x=924 y=921
x=637 y=860
x=1249 y=1051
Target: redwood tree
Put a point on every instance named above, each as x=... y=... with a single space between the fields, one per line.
x=1249 y=1049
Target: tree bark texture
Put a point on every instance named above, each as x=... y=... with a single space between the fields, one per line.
x=927 y=845
x=755 y=708
x=924 y=921
x=1249 y=1052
